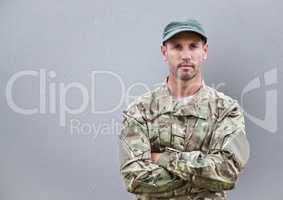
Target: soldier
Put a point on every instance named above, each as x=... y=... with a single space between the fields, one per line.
x=183 y=140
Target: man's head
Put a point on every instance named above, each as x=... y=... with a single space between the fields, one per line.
x=184 y=48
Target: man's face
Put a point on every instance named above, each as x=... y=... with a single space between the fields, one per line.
x=184 y=53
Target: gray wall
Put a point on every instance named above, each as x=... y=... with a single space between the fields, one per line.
x=44 y=157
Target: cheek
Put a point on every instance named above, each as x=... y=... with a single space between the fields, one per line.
x=173 y=57
x=199 y=56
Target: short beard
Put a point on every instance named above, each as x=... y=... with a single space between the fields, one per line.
x=185 y=77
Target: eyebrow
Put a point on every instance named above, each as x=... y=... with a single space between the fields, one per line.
x=192 y=42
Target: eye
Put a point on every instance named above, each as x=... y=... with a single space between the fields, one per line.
x=193 y=46
x=177 y=46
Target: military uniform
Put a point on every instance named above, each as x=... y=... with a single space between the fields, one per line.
x=202 y=142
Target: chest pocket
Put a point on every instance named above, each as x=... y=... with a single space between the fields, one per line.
x=196 y=134
x=166 y=131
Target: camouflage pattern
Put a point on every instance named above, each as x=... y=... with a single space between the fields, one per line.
x=202 y=142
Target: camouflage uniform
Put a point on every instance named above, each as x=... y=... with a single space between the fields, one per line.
x=202 y=142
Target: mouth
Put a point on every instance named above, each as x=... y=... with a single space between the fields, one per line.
x=186 y=66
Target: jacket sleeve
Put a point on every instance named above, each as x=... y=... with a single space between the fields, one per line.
x=139 y=173
x=218 y=169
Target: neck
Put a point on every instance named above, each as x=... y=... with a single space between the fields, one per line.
x=180 y=88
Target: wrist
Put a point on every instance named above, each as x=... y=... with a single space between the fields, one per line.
x=167 y=157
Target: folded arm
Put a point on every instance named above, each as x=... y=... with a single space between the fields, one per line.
x=218 y=169
x=139 y=173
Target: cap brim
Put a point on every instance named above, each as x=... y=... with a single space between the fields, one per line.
x=171 y=34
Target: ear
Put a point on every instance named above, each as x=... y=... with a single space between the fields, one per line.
x=163 y=50
x=205 y=51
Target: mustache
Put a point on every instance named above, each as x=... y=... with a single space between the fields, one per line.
x=185 y=65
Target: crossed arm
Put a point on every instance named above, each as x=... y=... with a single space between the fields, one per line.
x=146 y=172
x=139 y=173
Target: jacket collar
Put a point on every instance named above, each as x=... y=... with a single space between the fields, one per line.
x=197 y=106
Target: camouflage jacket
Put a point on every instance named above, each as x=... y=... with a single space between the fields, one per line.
x=202 y=142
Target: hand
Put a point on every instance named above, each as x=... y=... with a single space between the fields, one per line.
x=155 y=157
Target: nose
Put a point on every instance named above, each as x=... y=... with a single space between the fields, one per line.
x=186 y=54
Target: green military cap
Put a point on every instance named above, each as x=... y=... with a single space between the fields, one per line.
x=175 y=27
